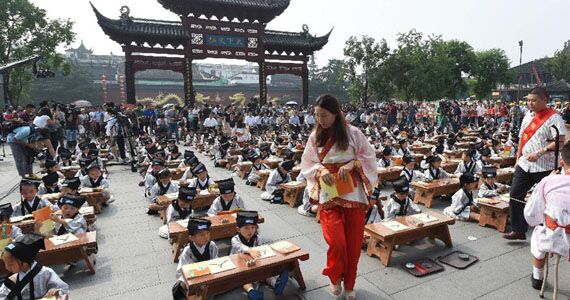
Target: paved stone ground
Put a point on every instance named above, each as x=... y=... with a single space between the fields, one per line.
x=134 y=263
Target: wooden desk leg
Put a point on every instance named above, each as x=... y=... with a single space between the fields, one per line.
x=383 y=250
x=442 y=233
x=299 y=276
x=177 y=246
x=88 y=261
x=204 y=292
x=502 y=221
x=424 y=198
x=163 y=215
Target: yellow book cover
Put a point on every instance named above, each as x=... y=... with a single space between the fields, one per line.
x=340 y=187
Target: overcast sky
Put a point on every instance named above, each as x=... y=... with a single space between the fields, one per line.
x=484 y=24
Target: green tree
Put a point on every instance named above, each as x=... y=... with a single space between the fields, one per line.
x=24 y=31
x=457 y=58
x=491 y=68
x=363 y=58
x=559 y=64
x=78 y=85
x=330 y=79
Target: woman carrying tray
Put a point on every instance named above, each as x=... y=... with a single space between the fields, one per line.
x=340 y=167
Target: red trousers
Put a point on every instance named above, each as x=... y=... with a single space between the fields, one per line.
x=343 y=229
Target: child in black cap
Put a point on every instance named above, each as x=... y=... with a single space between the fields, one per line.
x=95 y=179
x=252 y=177
x=71 y=187
x=163 y=186
x=151 y=177
x=53 y=168
x=228 y=199
x=434 y=170
x=201 y=180
x=188 y=164
x=468 y=163
x=463 y=207
x=70 y=221
x=174 y=154
x=375 y=212
x=83 y=164
x=49 y=184
x=400 y=203
x=30 y=200
x=181 y=208
x=409 y=172
x=278 y=176
x=490 y=188
x=246 y=239
x=199 y=249
x=386 y=159
x=30 y=279
x=5 y=214
x=64 y=158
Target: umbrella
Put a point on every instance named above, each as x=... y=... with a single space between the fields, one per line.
x=82 y=103
x=291 y=103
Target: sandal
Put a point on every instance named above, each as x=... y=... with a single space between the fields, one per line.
x=350 y=295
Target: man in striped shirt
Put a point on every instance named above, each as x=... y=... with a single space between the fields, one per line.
x=535 y=157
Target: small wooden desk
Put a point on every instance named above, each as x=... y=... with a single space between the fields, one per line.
x=27 y=225
x=504 y=162
x=389 y=174
x=383 y=239
x=465 y=145
x=421 y=149
x=293 y=191
x=209 y=285
x=94 y=198
x=70 y=171
x=202 y=200
x=295 y=172
x=272 y=163
x=494 y=215
x=243 y=169
x=426 y=191
x=232 y=160
x=452 y=154
x=263 y=176
x=81 y=249
x=451 y=165
x=220 y=229
x=503 y=176
x=173 y=163
x=177 y=173
x=297 y=153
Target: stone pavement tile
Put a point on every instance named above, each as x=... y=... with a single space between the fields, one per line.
x=114 y=284
x=490 y=247
x=521 y=288
x=459 y=232
x=131 y=263
x=490 y=275
x=151 y=292
x=393 y=279
x=439 y=288
x=364 y=290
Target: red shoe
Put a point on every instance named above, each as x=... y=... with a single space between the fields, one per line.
x=512 y=236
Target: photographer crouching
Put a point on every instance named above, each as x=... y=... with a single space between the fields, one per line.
x=25 y=141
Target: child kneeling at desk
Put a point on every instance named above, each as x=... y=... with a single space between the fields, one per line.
x=243 y=242
x=463 y=207
x=199 y=249
x=30 y=279
x=400 y=203
x=228 y=199
x=71 y=221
